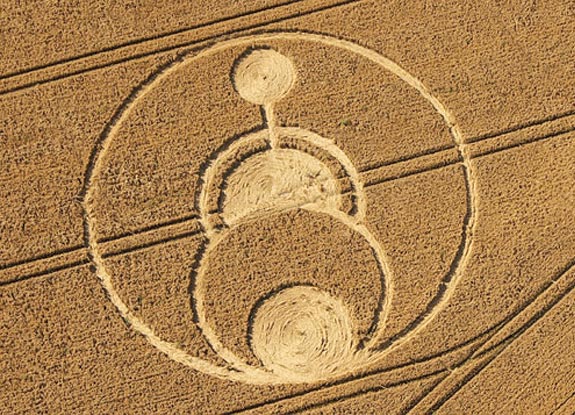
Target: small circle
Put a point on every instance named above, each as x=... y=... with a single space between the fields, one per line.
x=263 y=76
x=303 y=331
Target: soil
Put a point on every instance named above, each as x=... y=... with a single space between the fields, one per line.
x=315 y=206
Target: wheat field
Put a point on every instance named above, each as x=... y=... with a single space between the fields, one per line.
x=278 y=207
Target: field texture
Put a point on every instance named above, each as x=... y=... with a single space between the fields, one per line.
x=279 y=207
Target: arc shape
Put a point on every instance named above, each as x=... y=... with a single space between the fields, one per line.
x=337 y=154
x=209 y=201
x=248 y=375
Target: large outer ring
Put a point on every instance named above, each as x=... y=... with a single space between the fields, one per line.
x=101 y=147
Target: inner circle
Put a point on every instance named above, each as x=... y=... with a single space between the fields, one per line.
x=302 y=330
x=263 y=76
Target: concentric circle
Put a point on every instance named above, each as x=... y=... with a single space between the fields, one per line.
x=303 y=333
x=252 y=78
x=263 y=76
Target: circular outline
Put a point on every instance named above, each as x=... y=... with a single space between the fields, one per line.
x=264 y=355
x=101 y=147
x=231 y=358
x=237 y=65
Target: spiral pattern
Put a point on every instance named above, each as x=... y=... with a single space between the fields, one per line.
x=263 y=76
x=303 y=333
